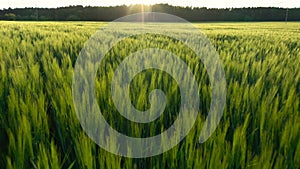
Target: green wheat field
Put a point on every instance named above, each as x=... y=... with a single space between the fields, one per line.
x=260 y=127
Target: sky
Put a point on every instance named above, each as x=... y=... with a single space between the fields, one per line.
x=193 y=3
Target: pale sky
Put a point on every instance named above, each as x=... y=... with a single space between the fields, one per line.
x=194 y=3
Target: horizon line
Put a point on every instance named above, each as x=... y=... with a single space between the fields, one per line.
x=149 y=5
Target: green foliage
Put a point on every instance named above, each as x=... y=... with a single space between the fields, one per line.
x=260 y=127
x=10 y=16
x=193 y=14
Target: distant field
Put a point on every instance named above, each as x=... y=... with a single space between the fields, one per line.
x=260 y=127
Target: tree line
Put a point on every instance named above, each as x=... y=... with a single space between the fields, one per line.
x=90 y=13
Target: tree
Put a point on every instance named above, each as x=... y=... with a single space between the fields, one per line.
x=10 y=16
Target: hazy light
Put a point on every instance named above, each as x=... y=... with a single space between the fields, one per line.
x=192 y=3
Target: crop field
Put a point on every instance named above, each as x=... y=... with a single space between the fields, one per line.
x=260 y=126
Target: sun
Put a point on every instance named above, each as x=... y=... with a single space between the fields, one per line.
x=137 y=8
x=144 y=2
